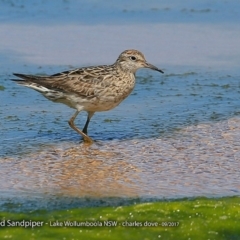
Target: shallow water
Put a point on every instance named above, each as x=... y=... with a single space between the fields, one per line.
x=177 y=135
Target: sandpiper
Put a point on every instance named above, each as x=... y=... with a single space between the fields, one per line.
x=91 y=89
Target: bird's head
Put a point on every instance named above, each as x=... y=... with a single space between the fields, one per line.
x=132 y=60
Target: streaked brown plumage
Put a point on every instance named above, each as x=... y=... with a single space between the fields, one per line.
x=90 y=89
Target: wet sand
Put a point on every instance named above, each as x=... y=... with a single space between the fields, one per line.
x=201 y=160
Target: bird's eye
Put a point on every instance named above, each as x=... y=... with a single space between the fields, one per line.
x=133 y=58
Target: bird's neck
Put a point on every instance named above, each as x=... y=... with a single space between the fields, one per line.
x=124 y=68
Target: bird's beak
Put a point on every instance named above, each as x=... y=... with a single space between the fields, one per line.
x=148 y=65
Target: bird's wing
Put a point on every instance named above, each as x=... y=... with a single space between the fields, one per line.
x=82 y=81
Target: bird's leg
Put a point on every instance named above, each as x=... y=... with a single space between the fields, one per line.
x=90 y=114
x=86 y=138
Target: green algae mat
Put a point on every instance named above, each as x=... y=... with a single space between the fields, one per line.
x=199 y=218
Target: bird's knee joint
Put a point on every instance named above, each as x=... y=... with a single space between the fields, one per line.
x=70 y=122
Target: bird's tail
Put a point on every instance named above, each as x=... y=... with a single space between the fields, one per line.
x=30 y=81
x=25 y=77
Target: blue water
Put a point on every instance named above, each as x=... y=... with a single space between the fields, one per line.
x=124 y=12
x=159 y=105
